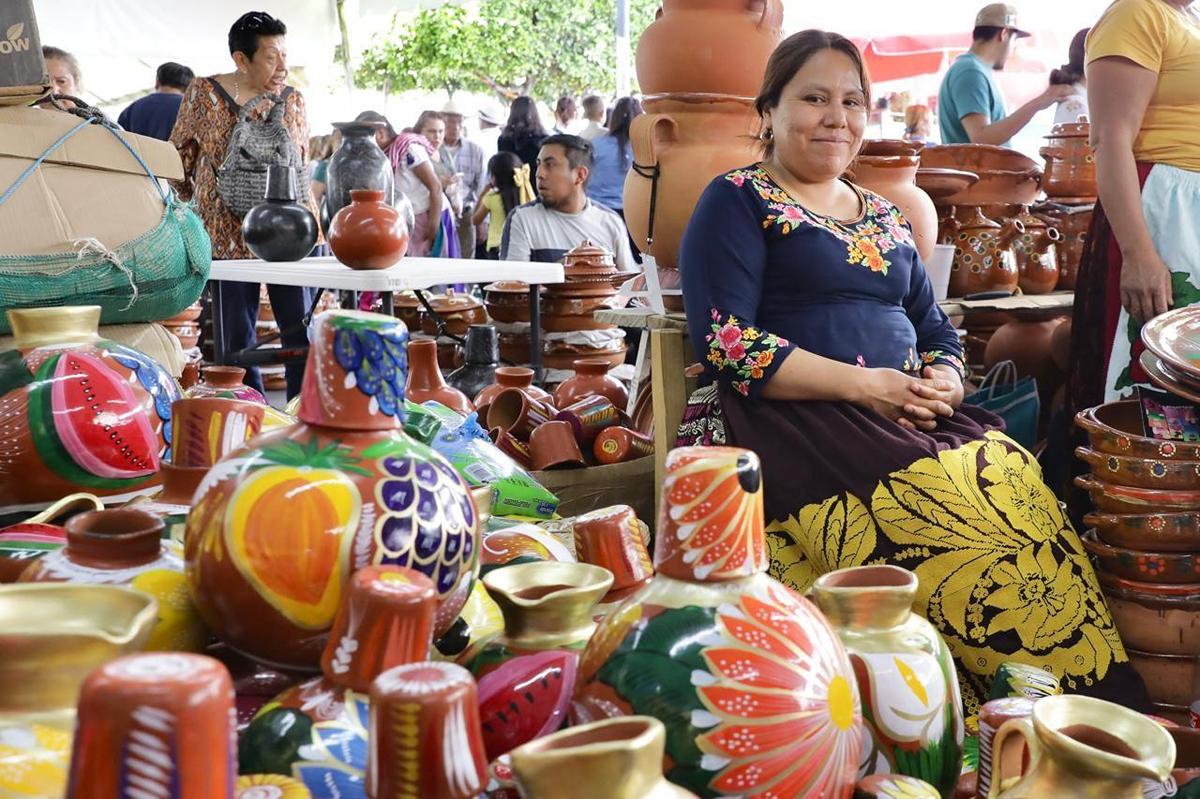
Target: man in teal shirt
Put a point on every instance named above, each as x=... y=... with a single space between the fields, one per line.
x=970 y=106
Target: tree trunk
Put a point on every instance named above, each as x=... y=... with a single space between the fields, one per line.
x=340 y=9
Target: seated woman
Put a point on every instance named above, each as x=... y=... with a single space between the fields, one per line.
x=830 y=358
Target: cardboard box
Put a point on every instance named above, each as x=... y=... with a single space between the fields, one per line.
x=23 y=77
x=90 y=187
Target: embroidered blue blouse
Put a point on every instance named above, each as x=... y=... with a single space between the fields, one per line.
x=762 y=276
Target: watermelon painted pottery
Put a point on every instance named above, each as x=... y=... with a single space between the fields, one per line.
x=25 y=541
x=756 y=691
x=610 y=759
x=425 y=734
x=78 y=413
x=158 y=725
x=525 y=698
x=355 y=491
x=906 y=675
x=225 y=382
x=385 y=620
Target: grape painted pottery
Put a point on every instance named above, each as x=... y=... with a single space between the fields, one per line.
x=1157 y=532
x=225 y=382
x=368 y=233
x=1141 y=472
x=385 y=620
x=23 y=542
x=756 y=691
x=358 y=492
x=910 y=696
x=78 y=413
x=1115 y=428
x=984 y=259
x=158 y=724
x=1154 y=617
x=591 y=378
x=425 y=381
x=1084 y=747
x=610 y=759
x=1141 y=565
x=894 y=177
x=894 y=786
x=425 y=734
x=1113 y=498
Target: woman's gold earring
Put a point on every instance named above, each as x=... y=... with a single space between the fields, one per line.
x=768 y=134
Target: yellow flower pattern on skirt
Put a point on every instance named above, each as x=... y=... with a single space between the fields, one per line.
x=1002 y=573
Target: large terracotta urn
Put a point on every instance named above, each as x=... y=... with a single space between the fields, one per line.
x=717 y=46
x=894 y=177
x=691 y=138
x=755 y=689
x=78 y=413
x=277 y=527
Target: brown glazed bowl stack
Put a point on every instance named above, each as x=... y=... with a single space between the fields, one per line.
x=1144 y=539
x=591 y=283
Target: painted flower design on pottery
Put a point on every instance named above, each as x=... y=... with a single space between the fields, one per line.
x=269 y=786
x=376 y=362
x=901 y=787
x=334 y=764
x=1152 y=565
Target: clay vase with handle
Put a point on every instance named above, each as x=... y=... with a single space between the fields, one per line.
x=703 y=644
x=984 y=259
x=425 y=381
x=894 y=177
x=1037 y=254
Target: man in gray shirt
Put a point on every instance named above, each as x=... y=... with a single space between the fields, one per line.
x=563 y=217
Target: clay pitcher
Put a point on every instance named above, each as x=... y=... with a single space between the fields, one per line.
x=1083 y=747
x=716 y=46
x=1037 y=254
x=425 y=381
x=895 y=178
x=984 y=259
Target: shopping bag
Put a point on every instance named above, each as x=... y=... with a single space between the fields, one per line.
x=1014 y=400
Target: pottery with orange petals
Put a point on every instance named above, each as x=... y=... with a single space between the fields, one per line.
x=756 y=691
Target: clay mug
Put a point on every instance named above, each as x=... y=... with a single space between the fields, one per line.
x=610 y=538
x=511 y=377
x=553 y=446
x=512 y=446
x=518 y=413
x=620 y=444
x=588 y=417
x=368 y=233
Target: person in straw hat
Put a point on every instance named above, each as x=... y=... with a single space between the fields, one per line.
x=465 y=157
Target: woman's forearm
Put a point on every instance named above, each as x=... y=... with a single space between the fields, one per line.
x=1121 y=196
x=806 y=376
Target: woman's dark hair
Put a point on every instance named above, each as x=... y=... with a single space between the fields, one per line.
x=173 y=76
x=243 y=36
x=502 y=170
x=790 y=57
x=1071 y=72
x=523 y=119
x=624 y=112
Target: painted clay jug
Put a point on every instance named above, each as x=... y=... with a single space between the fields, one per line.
x=124 y=546
x=279 y=228
x=386 y=620
x=368 y=233
x=425 y=381
x=714 y=46
x=25 y=541
x=225 y=382
x=705 y=643
x=157 y=724
x=691 y=139
x=78 y=413
x=591 y=378
x=1037 y=254
x=1086 y=748
x=511 y=377
x=906 y=676
x=1073 y=222
x=425 y=738
x=895 y=178
x=983 y=254
x=52 y=636
x=358 y=163
x=357 y=491
x=610 y=759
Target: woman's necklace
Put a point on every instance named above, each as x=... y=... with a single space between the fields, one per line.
x=237 y=88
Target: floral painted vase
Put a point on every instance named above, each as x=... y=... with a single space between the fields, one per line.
x=386 y=619
x=269 y=786
x=894 y=786
x=78 y=413
x=355 y=490
x=756 y=691
x=124 y=546
x=906 y=676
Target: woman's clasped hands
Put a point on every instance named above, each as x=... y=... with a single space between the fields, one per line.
x=912 y=402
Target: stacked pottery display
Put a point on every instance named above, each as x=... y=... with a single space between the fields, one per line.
x=507 y=304
x=357 y=491
x=1070 y=186
x=569 y=330
x=755 y=689
x=700 y=65
x=185 y=326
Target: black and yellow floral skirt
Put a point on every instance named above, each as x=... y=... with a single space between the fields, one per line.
x=1002 y=573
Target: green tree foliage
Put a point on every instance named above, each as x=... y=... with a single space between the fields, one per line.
x=538 y=47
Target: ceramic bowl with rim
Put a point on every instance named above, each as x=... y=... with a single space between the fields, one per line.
x=1154 y=532
x=1154 y=617
x=1112 y=498
x=974 y=157
x=1115 y=428
x=1141 y=472
x=1169 y=678
x=1172 y=568
x=1169 y=380
x=1175 y=338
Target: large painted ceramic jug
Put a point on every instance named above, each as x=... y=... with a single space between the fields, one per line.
x=278 y=526
x=713 y=46
x=910 y=694
x=78 y=413
x=756 y=691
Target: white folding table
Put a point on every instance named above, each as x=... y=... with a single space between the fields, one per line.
x=410 y=274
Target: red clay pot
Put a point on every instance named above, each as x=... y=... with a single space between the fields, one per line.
x=591 y=378
x=519 y=377
x=368 y=233
x=610 y=538
x=425 y=381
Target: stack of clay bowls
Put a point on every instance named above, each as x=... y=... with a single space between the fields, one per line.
x=507 y=303
x=1145 y=540
x=457 y=313
x=569 y=329
x=1070 y=186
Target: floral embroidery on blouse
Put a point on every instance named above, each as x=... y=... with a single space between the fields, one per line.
x=948 y=358
x=746 y=350
x=881 y=229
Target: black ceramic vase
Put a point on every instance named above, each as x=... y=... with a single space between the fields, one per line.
x=279 y=228
x=358 y=163
x=481 y=359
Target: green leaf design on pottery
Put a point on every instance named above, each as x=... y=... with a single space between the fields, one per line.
x=272 y=742
x=971 y=753
x=14 y=372
x=335 y=456
x=939 y=764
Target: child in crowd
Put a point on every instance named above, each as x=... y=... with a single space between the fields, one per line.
x=508 y=187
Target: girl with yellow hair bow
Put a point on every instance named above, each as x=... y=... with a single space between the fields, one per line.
x=509 y=186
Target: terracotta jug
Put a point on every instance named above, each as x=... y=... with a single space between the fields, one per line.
x=78 y=413
x=983 y=254
x=694 y=648
x=520 y=377
x=1073 y=222
x=910 y=694
x=1084 y=747
x=1037 y=254
x=155 y=725
x=425 y=381
x=350 y=482
x=368 y=233
x=715 y=46
x=692 y=139
x=591 y=378
x=610 y=759
x=225 y=382
x=895 y=177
